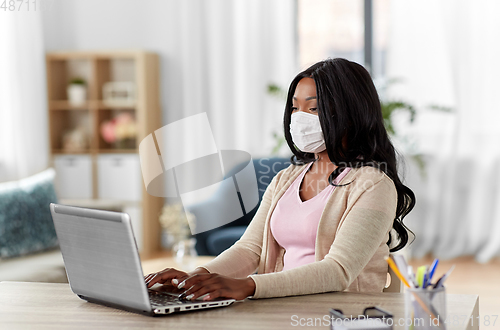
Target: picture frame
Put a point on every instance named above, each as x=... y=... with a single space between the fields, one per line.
x=119 y=93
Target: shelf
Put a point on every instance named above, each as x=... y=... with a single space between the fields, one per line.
x=62 y=71
x=70 y=152
x=65 y=105
x=68 y=127
x=100 y=151
x=93 y=151
x=100 y=105
x=108 y=115
x=80 y=165
x=95 y=54
x=107 y=106
x=117 y=151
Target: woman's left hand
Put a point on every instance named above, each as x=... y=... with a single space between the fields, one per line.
x=215 y=286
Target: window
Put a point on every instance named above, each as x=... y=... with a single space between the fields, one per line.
x=336 y=28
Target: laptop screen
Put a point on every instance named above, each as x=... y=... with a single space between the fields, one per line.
x=100 y=255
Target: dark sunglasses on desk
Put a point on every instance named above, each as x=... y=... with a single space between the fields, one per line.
x=369 y=312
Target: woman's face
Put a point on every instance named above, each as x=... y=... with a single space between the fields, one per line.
x=304 y=98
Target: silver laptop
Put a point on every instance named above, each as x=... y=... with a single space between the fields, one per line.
x=103 y=265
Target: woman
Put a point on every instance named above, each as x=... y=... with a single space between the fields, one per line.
x=324 y=222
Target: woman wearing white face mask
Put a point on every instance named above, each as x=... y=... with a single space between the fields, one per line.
x=324 y=223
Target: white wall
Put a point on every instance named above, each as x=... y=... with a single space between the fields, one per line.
x=117 y=24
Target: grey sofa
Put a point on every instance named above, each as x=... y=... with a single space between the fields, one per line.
x=213 y=242
x=28 y=241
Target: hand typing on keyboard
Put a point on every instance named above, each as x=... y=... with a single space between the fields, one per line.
x=165 y=277
x=200 y=284
x=169 y=278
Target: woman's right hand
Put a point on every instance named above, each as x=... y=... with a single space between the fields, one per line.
x=170 y=276
x=165 y=277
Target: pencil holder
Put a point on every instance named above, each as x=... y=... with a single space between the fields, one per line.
x=425 y=308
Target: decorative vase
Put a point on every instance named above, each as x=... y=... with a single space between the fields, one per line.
x=185 y=253
x=77 y=94
x=125 y=144
x=167 y=240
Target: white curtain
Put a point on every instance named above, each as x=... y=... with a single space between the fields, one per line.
x=229 y=51
x=447 y=53
x=23 y=102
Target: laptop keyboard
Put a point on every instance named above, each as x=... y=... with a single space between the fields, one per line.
x=161 y=299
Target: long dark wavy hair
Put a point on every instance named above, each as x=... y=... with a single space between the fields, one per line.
x=351 y=120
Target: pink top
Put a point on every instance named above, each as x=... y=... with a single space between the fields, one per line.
x=294 y=222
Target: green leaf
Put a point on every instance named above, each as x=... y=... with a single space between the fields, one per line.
x=77 y=81
x=275 y=90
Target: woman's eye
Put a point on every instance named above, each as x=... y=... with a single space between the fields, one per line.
x=313 y=109
x=294 y=109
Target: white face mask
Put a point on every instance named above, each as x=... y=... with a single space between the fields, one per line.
x=306 y=132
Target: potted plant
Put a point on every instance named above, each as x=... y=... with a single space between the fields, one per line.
x=77 y=91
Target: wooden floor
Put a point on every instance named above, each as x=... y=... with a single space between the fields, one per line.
x=470 y=277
